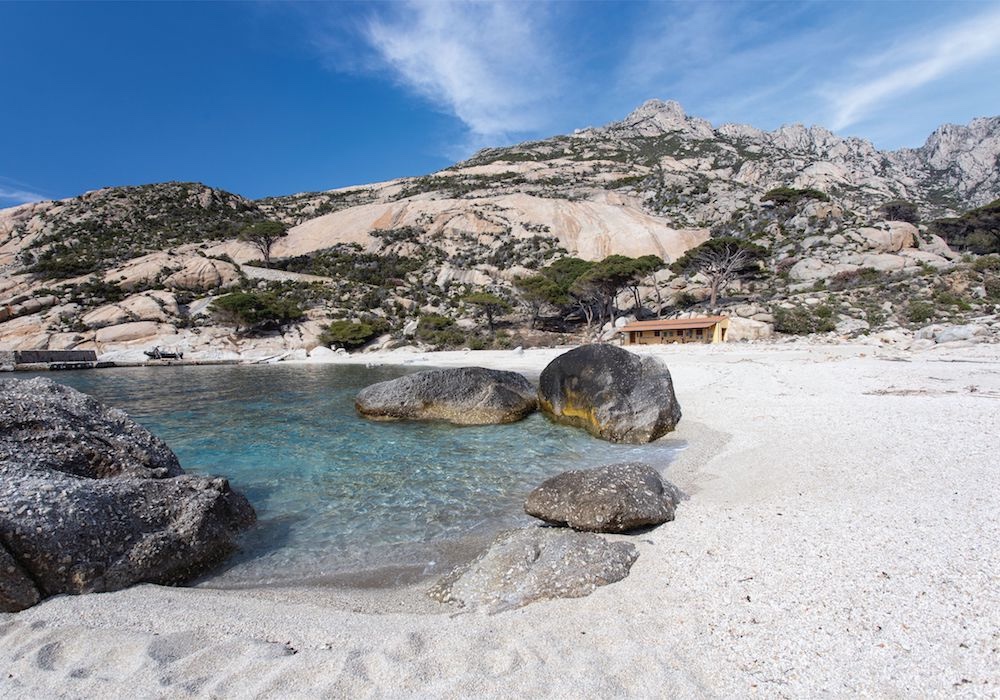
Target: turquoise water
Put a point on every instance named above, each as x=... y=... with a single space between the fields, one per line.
x=337 y=495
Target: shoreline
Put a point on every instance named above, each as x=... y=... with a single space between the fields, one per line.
x=843 y=513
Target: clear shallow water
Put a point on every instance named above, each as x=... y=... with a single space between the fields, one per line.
x=336 y=494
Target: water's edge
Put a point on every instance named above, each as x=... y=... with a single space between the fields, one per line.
x=344 y=502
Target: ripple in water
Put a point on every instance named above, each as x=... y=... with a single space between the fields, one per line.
x=335 y=493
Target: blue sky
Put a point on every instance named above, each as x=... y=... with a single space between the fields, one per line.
x=273 y=98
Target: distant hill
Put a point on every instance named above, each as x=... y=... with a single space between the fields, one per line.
x=837 y=217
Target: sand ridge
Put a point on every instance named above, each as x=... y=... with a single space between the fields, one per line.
x=842 y=536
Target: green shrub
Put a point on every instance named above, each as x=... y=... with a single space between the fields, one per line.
x=350 y=263
x=791 y=195
x=685 y=300
x=353 y=334
x=991 y=284
x=253 y=310
x=803 y=320
x=440 y=331
x=901 y=210
x=976 y=231
x=919 y=311
x=987 y=263
x=945 y=297
x=849 y=279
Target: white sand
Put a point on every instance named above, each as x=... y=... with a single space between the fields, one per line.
x=842 y=537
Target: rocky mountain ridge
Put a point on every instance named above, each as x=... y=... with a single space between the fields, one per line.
x=84 y=272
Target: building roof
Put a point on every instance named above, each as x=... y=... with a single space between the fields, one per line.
x=673 y=324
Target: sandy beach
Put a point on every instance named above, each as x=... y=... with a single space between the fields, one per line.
x=841 y=537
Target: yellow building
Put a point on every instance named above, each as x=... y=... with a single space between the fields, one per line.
x=706 y=329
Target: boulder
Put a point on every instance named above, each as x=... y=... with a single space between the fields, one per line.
x=91 y=501
x=103 y=316
x=133 y=331
x=610 y=392
x=321 y=353
x=810 y=269
x=952 y=334
x=185 y=271
x=464 y=396
x=851 y=326
x=203 y=274
x=748 y=329
x=138 y=307
x=891 y=238
x=612 y=498
x=925 y=257
x=884 y=262
x=933 y=243
x=530 y=564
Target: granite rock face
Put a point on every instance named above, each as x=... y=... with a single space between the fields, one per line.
x=91 y=501
x=610 y=392
x=464 y=396
x=531 y=564
x=612 y=498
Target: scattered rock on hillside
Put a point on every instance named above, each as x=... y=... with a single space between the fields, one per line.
x=464 y=396
x=612 y=393
x=951 y=334
x=526 y=565
x=91 y=501
x=612 y=498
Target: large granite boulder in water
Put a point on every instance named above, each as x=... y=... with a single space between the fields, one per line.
x=612 y=393
x=522 y=566
x=464 y=396
x=612 y=498
x=91 y=501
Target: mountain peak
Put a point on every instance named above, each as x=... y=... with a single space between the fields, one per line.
x=656 y=117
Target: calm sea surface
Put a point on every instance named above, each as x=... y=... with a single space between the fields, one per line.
x=340 y=498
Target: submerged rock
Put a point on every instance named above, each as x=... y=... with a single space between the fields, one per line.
x=612 y=393
x=612 y=498
x=91 y=501
x=464 y=396
x=530 y=564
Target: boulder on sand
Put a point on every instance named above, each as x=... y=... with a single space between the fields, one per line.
x=612 y=498
x=464 y=396
x=91 y=501
x=522 y=566
x=612 y=393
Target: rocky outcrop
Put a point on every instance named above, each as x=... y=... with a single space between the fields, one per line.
x=588 y=229
x=175 y=271
x=91 y=501
x=154 y=306
x=612 y=498
x=133 y=331
x=464 y=396
x=610 y=392
x=527 y=565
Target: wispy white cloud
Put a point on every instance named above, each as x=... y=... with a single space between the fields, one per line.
x=489 y=64
x=912 y=64
x=732 y=61
x=14 y=192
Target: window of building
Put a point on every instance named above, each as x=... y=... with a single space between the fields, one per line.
x=656 y=334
